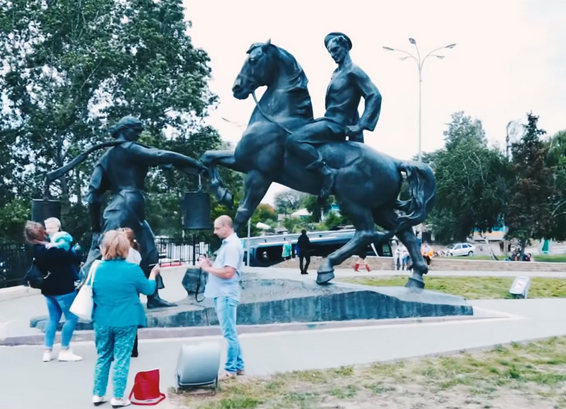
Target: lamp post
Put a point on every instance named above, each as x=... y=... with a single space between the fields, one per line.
x=420 y=62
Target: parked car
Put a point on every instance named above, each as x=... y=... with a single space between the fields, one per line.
x=461 y=249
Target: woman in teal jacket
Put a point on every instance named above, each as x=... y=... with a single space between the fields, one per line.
x=117 y=314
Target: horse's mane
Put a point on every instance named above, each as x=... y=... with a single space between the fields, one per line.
x=297 y=77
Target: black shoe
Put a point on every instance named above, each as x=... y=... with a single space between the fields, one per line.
x=155 y=301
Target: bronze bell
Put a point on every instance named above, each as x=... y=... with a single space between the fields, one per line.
x=195 y=210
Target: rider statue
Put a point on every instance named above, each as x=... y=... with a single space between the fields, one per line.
x=348 y=84
x=121 y=171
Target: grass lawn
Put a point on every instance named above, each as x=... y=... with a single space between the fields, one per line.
x=543 y=258
x=519 y=376
x=475 y=288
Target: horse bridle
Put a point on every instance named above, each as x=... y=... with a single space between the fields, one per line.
x=273 y=121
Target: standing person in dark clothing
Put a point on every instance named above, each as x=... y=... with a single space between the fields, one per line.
x=58 y=289
x=303 y=244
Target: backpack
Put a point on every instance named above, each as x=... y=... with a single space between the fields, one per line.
x=34 y=277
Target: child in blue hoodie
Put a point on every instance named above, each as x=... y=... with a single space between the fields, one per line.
x=60 y=239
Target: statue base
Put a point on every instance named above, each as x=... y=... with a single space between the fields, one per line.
x=269 y=300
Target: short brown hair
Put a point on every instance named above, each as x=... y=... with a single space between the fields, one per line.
x=115 y=245
x=34 y=232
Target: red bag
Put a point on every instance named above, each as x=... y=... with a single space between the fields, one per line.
x=146 y=389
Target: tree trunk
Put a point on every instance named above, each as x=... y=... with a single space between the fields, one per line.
x=523 y=243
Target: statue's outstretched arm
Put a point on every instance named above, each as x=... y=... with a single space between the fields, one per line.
x=372 y=99
x=159 y=157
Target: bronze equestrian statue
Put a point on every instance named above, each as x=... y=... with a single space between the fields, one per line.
x=283 y=143
x=348 y=84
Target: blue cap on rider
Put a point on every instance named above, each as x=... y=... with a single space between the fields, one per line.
x=333 y=35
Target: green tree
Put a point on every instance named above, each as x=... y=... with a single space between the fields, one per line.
x=317 y=209
x=557 y=159
x=72 y=68
x=472 y=181
x=288 y=201
x=529 y=204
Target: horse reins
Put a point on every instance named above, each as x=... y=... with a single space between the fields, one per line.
x=260 y=109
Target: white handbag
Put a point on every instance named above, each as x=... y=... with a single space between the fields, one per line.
x=83 y=304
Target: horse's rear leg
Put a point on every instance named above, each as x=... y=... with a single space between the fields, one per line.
x=255 y=188
x=362 y=219
x=387 y=219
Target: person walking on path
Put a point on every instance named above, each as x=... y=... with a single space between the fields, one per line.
x=362 y=260
x=223 y=287
x=117 y=314
x=304 y=244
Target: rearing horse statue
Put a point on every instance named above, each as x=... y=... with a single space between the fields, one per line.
x=366 y=183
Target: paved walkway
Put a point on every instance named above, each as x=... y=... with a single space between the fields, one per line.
x=68 y=385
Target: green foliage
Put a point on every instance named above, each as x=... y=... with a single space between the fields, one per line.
x=557 y=159
x=288 y=201
x=13 y=216
x=529 y=207
x=315 y=208
x=472 y=181
x=73 y=68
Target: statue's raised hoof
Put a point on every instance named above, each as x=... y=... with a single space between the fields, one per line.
x=415 y=283
x=225 y=197
x=324 y=277
x=154 y=303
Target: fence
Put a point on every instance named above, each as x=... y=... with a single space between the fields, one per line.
x=15 y=261
x=176 y=251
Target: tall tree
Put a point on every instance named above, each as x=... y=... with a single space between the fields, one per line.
x=472 y=181
x=288 y=201
x=72 y=68
x=529 y=203
x=557 y=159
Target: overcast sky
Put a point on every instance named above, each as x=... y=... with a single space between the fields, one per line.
x=509 y=59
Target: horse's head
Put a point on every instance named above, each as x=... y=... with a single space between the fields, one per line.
x=257 y=71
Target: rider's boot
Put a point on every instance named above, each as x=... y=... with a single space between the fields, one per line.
x=154 y=300
x=327 y=174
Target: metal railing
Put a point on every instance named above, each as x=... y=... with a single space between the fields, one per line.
x=184 y=250
x=15 y=261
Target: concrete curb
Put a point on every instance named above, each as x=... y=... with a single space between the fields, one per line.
x=192 y=332
x=20 y=291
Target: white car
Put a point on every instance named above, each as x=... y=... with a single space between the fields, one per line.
x=461 y=249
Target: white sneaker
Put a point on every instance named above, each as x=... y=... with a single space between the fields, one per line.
x=66 y=355
x=120 y=403
x=98 y=400
x=47 y=356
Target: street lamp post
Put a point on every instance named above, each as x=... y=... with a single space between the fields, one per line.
x=420 y=62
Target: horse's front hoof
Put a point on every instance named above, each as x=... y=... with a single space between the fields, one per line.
x=225 y=197
x=324 y=277
x=415 y=281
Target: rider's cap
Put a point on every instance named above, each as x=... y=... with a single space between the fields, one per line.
x=124 y=123
x=333 y=35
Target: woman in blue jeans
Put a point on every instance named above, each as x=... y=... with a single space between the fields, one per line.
x=58 y=289
x=117 y=314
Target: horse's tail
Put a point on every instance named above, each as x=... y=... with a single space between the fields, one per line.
x=422 y=187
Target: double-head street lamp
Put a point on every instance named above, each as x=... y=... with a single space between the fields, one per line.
x=420 y=62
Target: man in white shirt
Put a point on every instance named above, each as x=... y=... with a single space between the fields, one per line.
x=224 y=287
